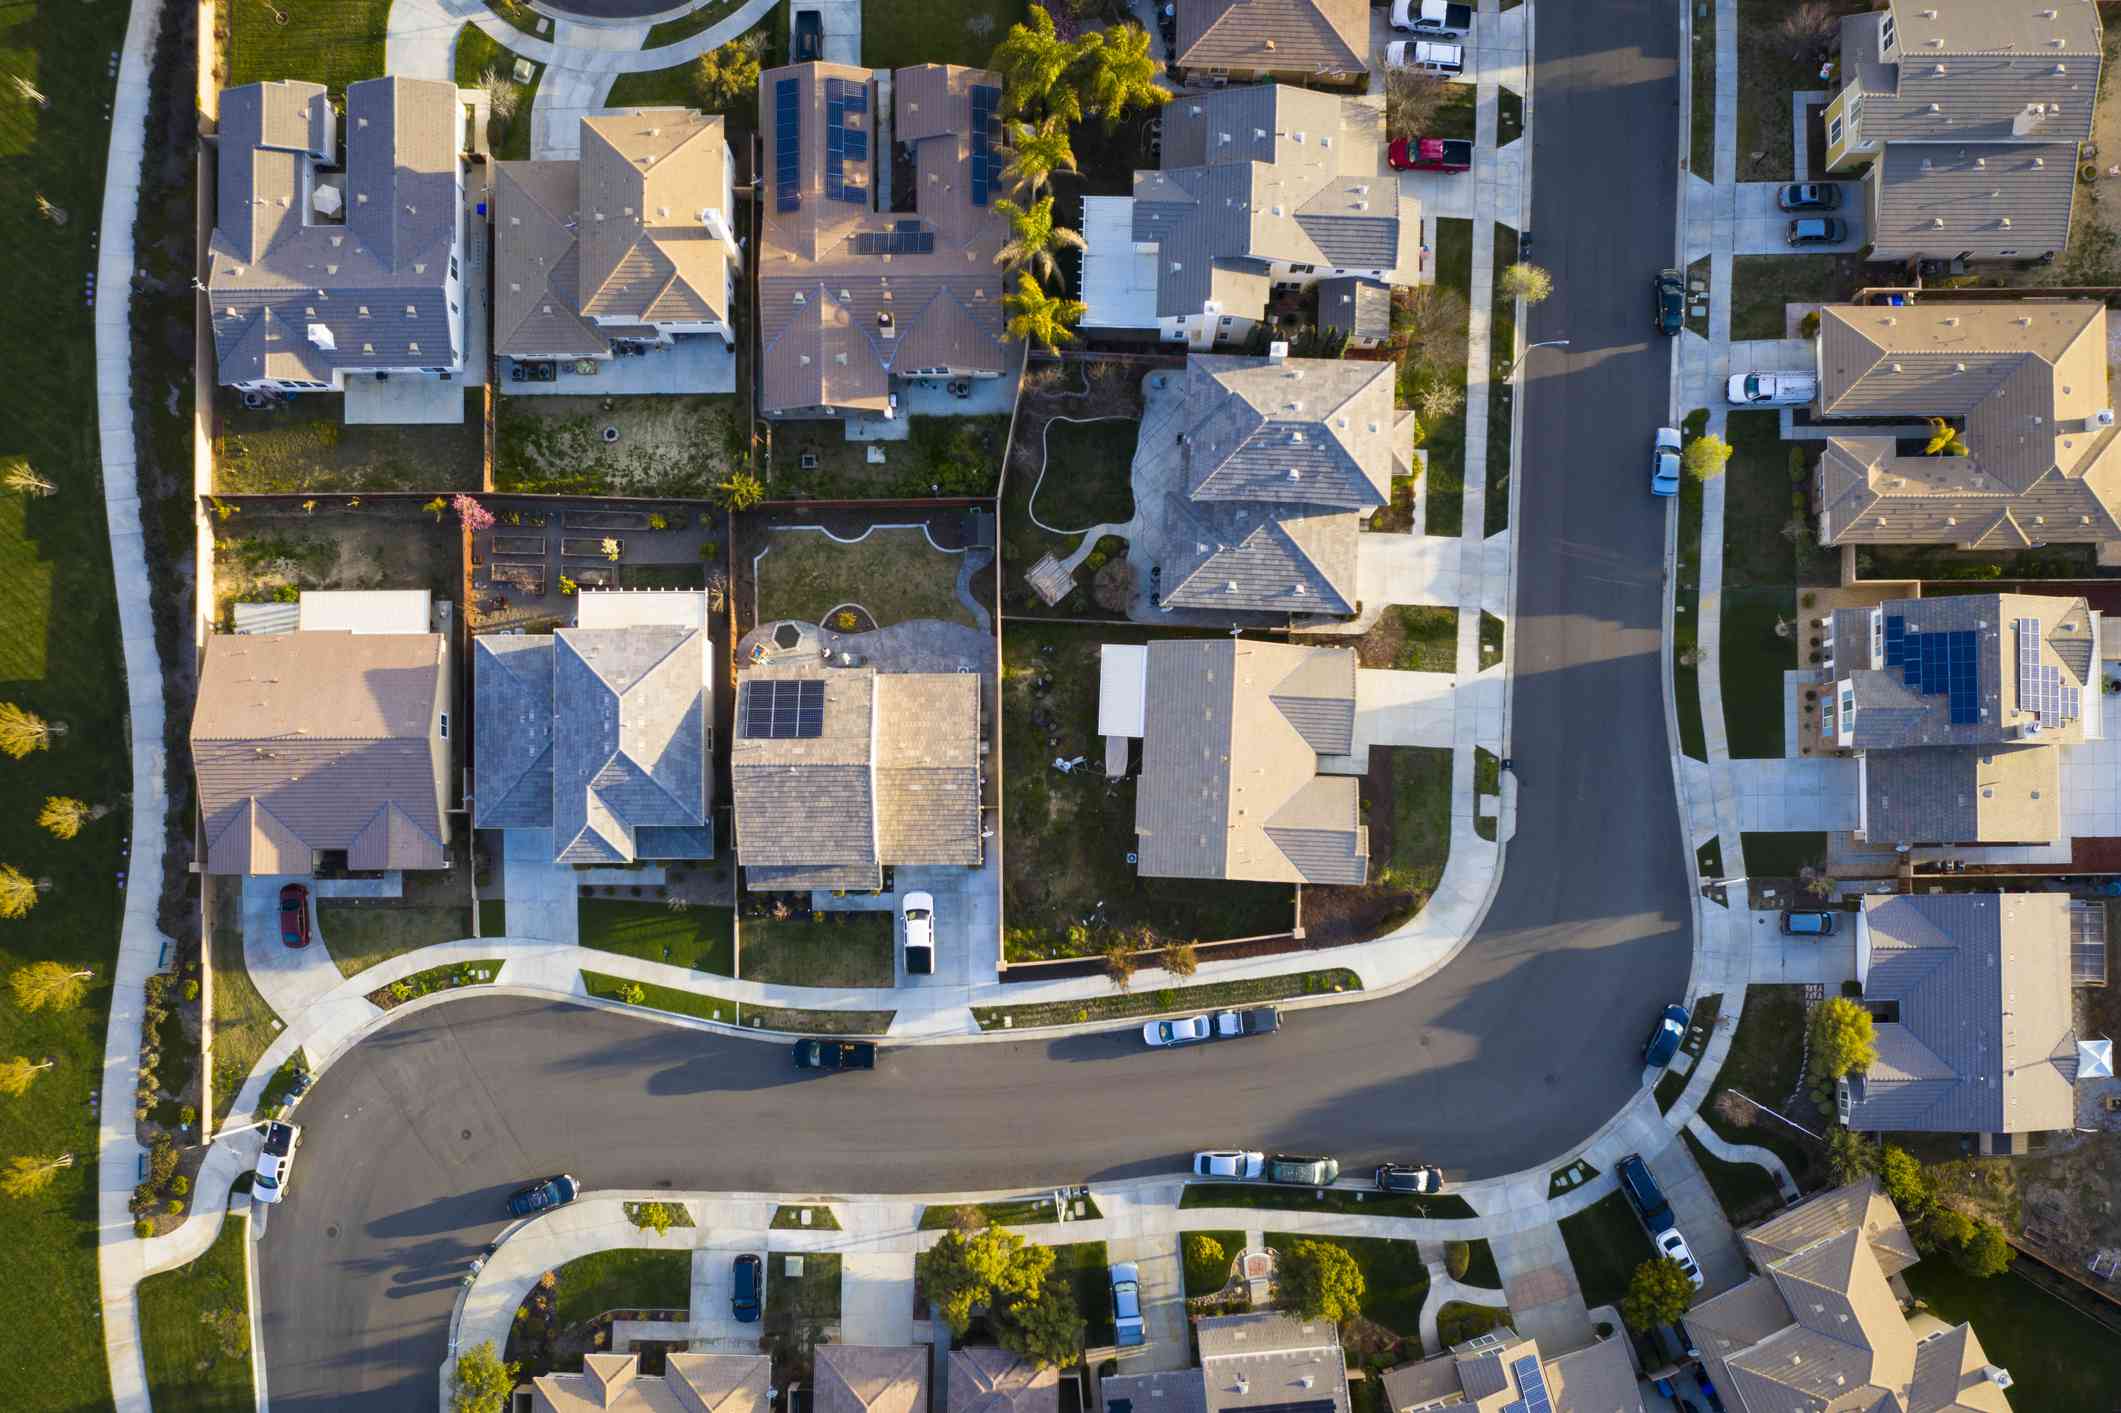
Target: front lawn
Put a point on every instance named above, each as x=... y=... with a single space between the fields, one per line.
x=1430 y=639
x=359 y=936
x=1395 y=1282
x=477 y=53
x=1605 y=1244
x=2058 y=1357
x=698 y=938
x=896 y=33
x=626 y=1278
x=1762 y=284
x=1765 y=1063
x=332 y=42
x=1502 y=358
x=244 y=1024
x=1754 y=658
x=1273 y=1197
x=893 y=576
x=1088 y=476
x=713 y=1008
x=1443 y=493
x=1129 y=1005
x=1209 y=1276
x=193 y=1365
x=1746 y=1191
x=1010 y=1212
x=831 y=949
x=1760 y=500
x=1770 y=69
x=301 y=444
x=1783 y=855
x=1086 y=1266
x=1421 y=818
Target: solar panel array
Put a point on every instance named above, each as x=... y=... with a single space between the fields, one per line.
x=784 y=710
x=845 y=141
x=787 y=146
x=986 y=165
x=1895 y=641
x=2087 y=945
x=906 y=238
x=1532 y=1385
x=1943 y=662
x=2040 y=689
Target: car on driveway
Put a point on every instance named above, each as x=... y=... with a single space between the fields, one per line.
x=269 y=1178
x=1670 y=1243
x=835 y=1055
x=1808 y=924
x=1228 y=1163
x=1663 y=1043
x=294 y=916
x=1664 y=463
x=1819 y=230
x=1409 y=1177
x=746 y=1279
x=917 y=912
x=1808 y=196
x=1127 y=1306
x=544 y=1196
x=1444 y=60
x=1430 y=154
x=1773 y=389
x=1668 y=299
x=1261 y=1020
x=1303 y=1171
x=1183 y=1031
x=1432 y=17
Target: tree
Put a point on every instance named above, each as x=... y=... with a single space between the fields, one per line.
x=741 y=490
x=23 y=731
x=1320 y=1280
x=1046 y=1328
x=1905 y=1182
x=1033 y=237
x=18 y=1074
x=1849 y=1156
x=17 y=893
x=63 y=815
x=1181 y=959
x=1034 y=62
x=962 y=1272
x=1807 y=27
x=1843 y=1040
x=1120 y=962
x=435 y=508
x=481 y=1383
x=1985 y=1253
x=632 y=993
x=1034 y=314
x=1945 y=440
x=1943 y=1229
x=1432 y=320
x=658 y=1217
x=1704 y=456
x=25 y=1176
x=1121 y=74
x=19 y=476
x=1036 y=152
x=49 y=986
x=473 y=515
x=1658 y=1294
x=728 y=75
x=1437 y=401
x=1411 y=100
x=1528 y=282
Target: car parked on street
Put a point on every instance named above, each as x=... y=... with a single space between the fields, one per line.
x=1663 y=1044
x=1184 y=1031
x=1808 y=196
x=269 y=1178
x=1228 y=1163
x=1773 y=389
x=917 y=912
x=746 y=1285
x=1670 y=1243
x=1430 y=154
x=1668 y=301
x=1819 y=230
x=543 y=1196
x=1129 y=1332
x=1409 y=1177
x=1301 y=1171
x=1261 y=1020
x=835 y=1055
x=1447 y=60
x=1664 y=462
x=1808 y=924
x=1433 y=17
x=294 y=916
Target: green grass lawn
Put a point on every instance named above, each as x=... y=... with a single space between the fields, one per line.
x=1444 y=491
x=1764 y=1063
x=1431 y=641
x=1758 y=504
x=1421 y=817
x=1086 y=1266
x=713 y=1008
x=1015 y=1212
x=1753 y=660
x=477 y=52
x=1126 y=1005
x=1762 y=284
x=1480 y=1268
x=1487 y=780
x=1088 y=473
x=1686 y=617
x=625 y=1278
x=1769 y=70
x=896 y=33
x=1207 y=1277
x=1491 y=634
x=189 y=1365
x=897 y=576
x=1605 y=1244
x=359 y=937
x=698 y=938
x=654 y=88
x=1746 y=1191
x=1455 y=117
x=244 y=1024
x=493 y=917
x=1270 y=1197
x=332 y=42
x=686 y=26
x=2058 y=1357
x=1502 y=355
x=816 y=1292
x=787 y=1218
x=301 y=444
x=842 y=949
x=1702 y=129
x=1783 y=855
x=662 y=998
x=1395 y=1282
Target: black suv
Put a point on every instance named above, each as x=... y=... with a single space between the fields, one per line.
x=1409 y=1177
x=1670 y=301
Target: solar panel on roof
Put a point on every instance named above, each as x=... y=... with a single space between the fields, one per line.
x=1895 y=641
x=1532 y=1383
x=986 y=167
x=784 y=710
x=846 y=140
x=787 y=146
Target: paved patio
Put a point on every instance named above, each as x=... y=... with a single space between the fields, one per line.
x=694 y=364
x=1410 y=569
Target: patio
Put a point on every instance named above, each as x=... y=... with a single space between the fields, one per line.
x=695 y=363
x=518 y=565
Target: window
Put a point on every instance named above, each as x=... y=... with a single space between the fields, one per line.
x=1227 y=321
x=452 y=267
x=1833 y=133
x=1300 y=269
x=1885 y=35
x=445 y=725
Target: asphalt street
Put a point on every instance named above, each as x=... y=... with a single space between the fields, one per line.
x=1517 y=1050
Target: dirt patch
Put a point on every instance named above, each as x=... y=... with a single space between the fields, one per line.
x=1333 y=917
x=262 y=555
x=1380 y=647
x=636 y=446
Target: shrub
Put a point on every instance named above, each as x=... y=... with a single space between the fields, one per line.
x=1207 y=1264
x=143 y=1228
x=1457 y=1258
x=191 y=990
x=179 y=1185
x=1808 y=326
x=1458 y=1321
x=1320 y=1280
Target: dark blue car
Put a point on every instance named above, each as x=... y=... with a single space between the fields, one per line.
x=1664 y=1040
x=744 y=1289
x=544 y=1196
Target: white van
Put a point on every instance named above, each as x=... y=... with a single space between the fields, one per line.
x=1427 y=55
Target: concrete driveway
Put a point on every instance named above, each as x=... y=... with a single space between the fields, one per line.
x=1407 y=568
x=1700 y=1217
x=289 y=978
x=1763 y=227
x=967 y=930
x=1163 y=1297
x=712 y=1326
x=876 y=1297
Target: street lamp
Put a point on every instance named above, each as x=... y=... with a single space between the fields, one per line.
x=1511 y=371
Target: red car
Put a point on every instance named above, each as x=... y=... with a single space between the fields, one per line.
x=294 y=915
x=1430 y=154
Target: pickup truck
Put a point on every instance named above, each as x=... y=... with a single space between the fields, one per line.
x=1773 y=389
x=1265 y=1020
x=1430 y=154
x=1431 y=17
x=835 y=1055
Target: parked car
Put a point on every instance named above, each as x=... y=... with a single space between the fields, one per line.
x=544 y=1196
x=1808 y=924
x=809 y=36
x=269 y=1178
x=835 y=1055
x=1430 y=58
x=1262 y=1020
x=1409 y=1177
x=294 y=916
x=1644 y=1195
x=1663 y=1043
x=1436 y=17
x=1809 y=196
x=1819 y=230
x=745 y=1283
x=1303 y=1171
x=1668 y=300
x=1773 y=389
x=1430 y=154
x=1664 y=463
x=917 y=912
x=1670 y=1243
x=1228 y=1163
x=1127 y=1306
x=1183 y=1031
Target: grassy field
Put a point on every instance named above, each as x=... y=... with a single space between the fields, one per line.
x=1753 y=659
x=332 y=42
x=2058 y=1358
x=1431 y=641
x=896 y=33
x=699 y=938
x=682 y=445
x=59 y=658
x=190 y=1366
x=1267 y=1197
x=1087 y=480
x=477 y=52
x=1605 y=1244
x=897 y=576
x=359 y=937
x=626 y=1278
x=1395 y=1282
x=841 y=949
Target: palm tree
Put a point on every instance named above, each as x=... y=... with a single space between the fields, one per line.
x=1034 y=314
x=1945 y=440
x=1036 y=152
x=1033 y=237
x=1034 y=61
x=26 y=1176
x=1121 y=74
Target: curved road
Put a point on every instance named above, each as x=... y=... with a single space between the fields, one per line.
x=1516 y=1051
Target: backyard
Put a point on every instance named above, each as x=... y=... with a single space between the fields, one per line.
x=818 y=949
x=195 y=1329
x=699 y=937
x=1086 y=478
x=272 y=550
x=679 y=445
x=2058 y=1357
x=1605 y=1244
x=896 y=33
x=332 y=42
x=301 y=444
x=889 y=575
x=1089 y=475
x=951 y=456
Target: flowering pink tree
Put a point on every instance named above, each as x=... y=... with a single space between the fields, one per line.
x=474 y=515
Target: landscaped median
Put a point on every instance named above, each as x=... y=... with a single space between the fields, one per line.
x=1265 y=1196
x=701 y=1006
x=1013 y=1212
x=1165 y=1000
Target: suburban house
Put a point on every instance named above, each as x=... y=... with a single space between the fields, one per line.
x=601 y=734
x=839 y=772
x=1970 y=998
x=1264 y=1361
x=870 y=1378
x=1822 y=1324
x=1503 y=1370
x=625 y=251
x=1300 y=41
x=689 y=1383
x=1954 y=708
x=1274 y=467
x=1358 y=310
x=323 y=749
x=1965 y=117
x=1232 y=730
x=323 y=268
x=1264 y=191
x=2025 y=387
x=877 y=258
x=985 y=1379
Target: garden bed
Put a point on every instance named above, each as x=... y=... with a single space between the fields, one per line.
x=426 y=983
x=604 y=520
x=1125 y=1004
x=531 y=546
x=1272 y=1197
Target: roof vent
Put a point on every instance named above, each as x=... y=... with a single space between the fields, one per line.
x=2061 y=68
x=1927 y=165
x=1277 y=350
x=1295 y=474
x=2038 y=163
x=2104 y=417
x=2006 y=219
x=1270 y=44
x=1936 y=107
x=321 y=337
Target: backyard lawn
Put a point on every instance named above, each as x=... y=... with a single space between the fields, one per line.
x=302 y=444
x=840 y=949
x=190 y=1364
x=894 y=576
x=2058 y=1357
x=358 y=937
x=1762 y=284
x=1605 y=1244
x=1087 y=476
x=667 y=446
x=698 y=938
x=896 y=33
x=1431 y=641
x=1754 y=658
x=956 y=456
x=332 y=42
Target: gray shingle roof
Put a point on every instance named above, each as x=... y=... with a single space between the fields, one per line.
x=1963 y=795
x=1360 y=309
x=1978 y=71
x=511 y=689
x=984 y=1379
x=1279 y=36
x=1271 y=1360
x=1983 y=199
x=631 y=714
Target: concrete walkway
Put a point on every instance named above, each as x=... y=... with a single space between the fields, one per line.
x=1752 y=1153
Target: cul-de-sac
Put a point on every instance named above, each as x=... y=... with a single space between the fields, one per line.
x=1060 y=706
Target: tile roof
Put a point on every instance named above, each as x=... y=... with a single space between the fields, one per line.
x=304 y=742
x=1979 y=71
x=1174 y=1391
x=870 y=1378
x=1599 y=1378
x=511 y=704
x=1272 y=1361
x=1324 y=37
x=1858 y=1205
x=1982 y=200
x=1358 y=308
x=690 y=1383
x=1963 y=795
x=984 y=1379
x=538 y=263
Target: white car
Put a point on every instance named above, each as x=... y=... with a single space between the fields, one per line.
x=917 y=912
x=1434 y=17
x=1664 y=462
x=269 y=1183
x=1671 y=1243
x=1228 y=1163
x=1176 y=1032
x=1447 y=60
x=1773 y=389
